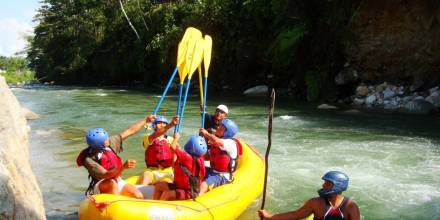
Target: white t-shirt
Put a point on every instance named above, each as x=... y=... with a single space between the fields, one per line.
x=230 y=147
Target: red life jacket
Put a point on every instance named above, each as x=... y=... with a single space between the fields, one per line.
x=181 y=179
x=109 y=159
x=159 y=153
x=220 y=159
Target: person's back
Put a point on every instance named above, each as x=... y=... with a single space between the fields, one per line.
x=323 y=209
x=189 y=171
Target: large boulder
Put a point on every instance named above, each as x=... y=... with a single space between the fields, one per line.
x=20 y=195
x=260 y=90
x=419 y=106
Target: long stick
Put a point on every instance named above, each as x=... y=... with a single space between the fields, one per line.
x=269 y=143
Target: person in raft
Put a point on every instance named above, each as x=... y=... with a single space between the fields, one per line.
x=223 y=155
x=158 y=154
x=212 y=122
x=104 y=165
x=330 y=205
x=189 y=171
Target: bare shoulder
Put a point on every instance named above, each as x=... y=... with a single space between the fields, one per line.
x=351 y=205
x=352 y=210
x=315 y=202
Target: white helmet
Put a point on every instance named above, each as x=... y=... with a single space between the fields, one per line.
x=224 y=108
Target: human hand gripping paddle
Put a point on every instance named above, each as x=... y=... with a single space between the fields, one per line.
x=207 y=49
x=269 y=143
x=193 y=59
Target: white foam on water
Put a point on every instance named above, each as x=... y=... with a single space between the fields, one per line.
x=101 y=94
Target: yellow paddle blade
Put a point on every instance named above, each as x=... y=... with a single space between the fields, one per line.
x=201 y=84
x=183 y=44
x=189 y=41
x=196 y=57
x=207 y=53
x=182 y=50
x=183 y=71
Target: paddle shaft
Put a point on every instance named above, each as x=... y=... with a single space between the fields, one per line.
x=165 y=92
x=188 y=83
x=205 y=91
x=269 y=143
x=178 y=105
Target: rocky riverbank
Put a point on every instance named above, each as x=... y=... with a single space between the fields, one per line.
x=20 y=195
x=405 y=99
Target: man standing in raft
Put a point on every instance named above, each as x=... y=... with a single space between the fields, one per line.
x=330 y=205
x=104 y=165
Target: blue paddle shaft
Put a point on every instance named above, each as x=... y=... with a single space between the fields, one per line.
x=205 y=92
x=178 y=104
x=165 y=92
x=184 y=103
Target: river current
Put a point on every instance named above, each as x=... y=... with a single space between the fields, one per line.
x=393 y=161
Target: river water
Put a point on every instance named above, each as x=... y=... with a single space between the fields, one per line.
x=393 y=160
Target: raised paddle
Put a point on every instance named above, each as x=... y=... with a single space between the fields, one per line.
x=193 y=33
x=269 y=143
x=181 y=51
x=207 y=49
x=193 y=59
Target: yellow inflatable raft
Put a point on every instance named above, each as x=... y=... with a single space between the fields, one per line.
x=224 y=202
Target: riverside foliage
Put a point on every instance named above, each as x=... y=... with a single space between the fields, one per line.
x=15 y=69
x=272 y=42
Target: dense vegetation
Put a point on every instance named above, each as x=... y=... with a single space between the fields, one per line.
x=291 y=45
x=15 y=69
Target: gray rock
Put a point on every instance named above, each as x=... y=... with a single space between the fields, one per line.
x=388 y=93
x=418 y=106
x=347 y=75
x=325 y=106
x=370 y=100
x=256 y=91
x=435 y=100
x=362 y=91
x=28 y=114
x=432 y=90
x=20 y=195
x=358 y=101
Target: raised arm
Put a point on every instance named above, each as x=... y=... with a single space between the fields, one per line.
x=211 y=137
x=175 y=143
x=156 y=134
x=134 y=128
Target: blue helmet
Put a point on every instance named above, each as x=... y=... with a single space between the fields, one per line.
x=96 y=137
x=231 y=128
x=196 y=146
x=158 y=119
x=339 y=180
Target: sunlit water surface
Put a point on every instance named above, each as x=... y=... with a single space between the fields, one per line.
x=393 y=160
